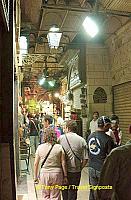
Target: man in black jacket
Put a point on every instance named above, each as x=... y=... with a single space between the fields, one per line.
x=116 y=173
x=99 y=146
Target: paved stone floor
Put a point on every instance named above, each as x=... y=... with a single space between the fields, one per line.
x=83 y=194
x=27 y=191
x=25 y=187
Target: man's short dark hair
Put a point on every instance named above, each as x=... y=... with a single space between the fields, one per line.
x=96 y=112
x=48 y=118
x=72 y=125
x=20 y=104
x=30 y=115
x=115 y=117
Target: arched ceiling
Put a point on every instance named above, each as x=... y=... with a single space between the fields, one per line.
x=39 y=15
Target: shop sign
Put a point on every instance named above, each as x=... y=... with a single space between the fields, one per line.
x=75 y=81
x=74 y=77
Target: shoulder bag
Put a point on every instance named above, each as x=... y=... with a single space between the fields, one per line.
x=47 y=156
x=36 y=181
x=35 y=126
x=72 y=149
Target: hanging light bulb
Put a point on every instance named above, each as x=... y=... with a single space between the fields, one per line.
x=51 y=83
x=41 y=82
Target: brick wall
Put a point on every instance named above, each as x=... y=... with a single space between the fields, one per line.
x=98 y=75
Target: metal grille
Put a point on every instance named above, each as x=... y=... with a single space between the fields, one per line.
x=122 y=107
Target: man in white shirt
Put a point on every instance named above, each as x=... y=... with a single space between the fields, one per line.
x=94 y=122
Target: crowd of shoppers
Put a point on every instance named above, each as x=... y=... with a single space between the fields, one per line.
x=63 y=154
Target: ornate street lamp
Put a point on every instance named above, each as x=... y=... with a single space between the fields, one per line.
x=54 y=37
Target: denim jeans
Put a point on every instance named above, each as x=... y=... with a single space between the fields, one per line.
x=94 y=176
x=34 y=142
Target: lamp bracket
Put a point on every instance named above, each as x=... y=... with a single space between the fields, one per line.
x=29 y=59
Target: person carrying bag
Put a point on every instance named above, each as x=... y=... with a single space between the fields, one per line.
x=53 y=168
x=36 y=180
x=75 y=148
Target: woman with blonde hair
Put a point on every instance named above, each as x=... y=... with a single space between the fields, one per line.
x=53 y=171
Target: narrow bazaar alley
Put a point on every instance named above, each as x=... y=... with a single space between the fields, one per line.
x=65 y=99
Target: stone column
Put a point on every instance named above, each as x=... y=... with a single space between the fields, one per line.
x=98 y=75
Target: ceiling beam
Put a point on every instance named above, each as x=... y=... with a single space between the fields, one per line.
x=36 y=80
x=38 y=61
x=78 y=9
x=41 y=22
x=63 y=21
x=43 y=54
x=44 y=67
x=57 y=1
x=82 y=3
